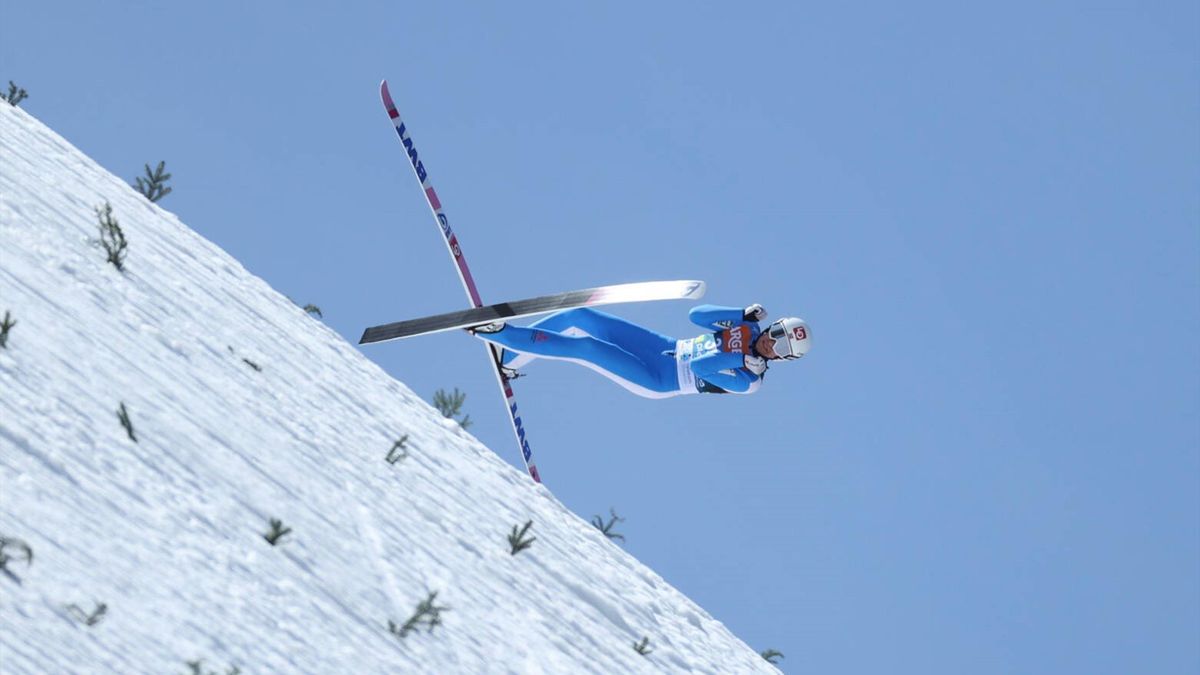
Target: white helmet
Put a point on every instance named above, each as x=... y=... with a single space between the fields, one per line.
x=790 y=337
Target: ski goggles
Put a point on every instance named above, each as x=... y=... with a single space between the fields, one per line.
x=780 y=343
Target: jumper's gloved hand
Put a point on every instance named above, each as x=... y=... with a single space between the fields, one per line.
x=756 y=364
x=754 y=313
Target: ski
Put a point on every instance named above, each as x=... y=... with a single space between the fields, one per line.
x=464 y=273
x=603 y=295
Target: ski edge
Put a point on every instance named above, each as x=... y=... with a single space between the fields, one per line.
x=644 y=291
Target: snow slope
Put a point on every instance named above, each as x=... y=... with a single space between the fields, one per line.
x=247 y=409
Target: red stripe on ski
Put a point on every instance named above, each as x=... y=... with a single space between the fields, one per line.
x=465 y=271
x=387 y=100
x=432 y=197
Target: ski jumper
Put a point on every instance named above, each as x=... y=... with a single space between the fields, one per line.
x=644 y=362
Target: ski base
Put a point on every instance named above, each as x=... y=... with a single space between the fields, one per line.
x=590 y=297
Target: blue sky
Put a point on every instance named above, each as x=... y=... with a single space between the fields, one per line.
x=990 y=215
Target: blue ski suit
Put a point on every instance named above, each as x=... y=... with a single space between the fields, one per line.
x=644 y=362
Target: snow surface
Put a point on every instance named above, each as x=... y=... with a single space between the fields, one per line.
x=167 y=531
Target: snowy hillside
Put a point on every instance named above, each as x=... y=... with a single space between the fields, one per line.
x=247 y=409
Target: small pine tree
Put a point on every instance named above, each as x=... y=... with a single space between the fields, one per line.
x=641 y=647
x=606 y=528
x=314 y=310
x=111 y=236
x=123 y=416
x=15 y=94
x=14 y=549
x=450 y=405
x=771 y=655
x=6 y=326
x=197 y=668
x=277 y=532
x=153 y=186
x=398 y=452
x=517 y=541
x=96 y=616
x=427 y=613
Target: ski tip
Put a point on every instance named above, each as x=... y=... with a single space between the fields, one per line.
x=696 y=290
x=386 y=95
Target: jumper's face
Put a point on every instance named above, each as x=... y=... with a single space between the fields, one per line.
x=765 y=346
